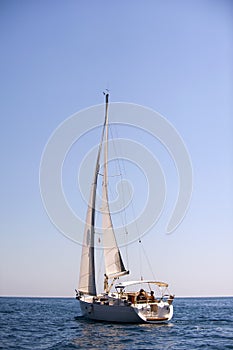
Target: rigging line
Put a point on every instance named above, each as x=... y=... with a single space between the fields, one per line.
x=148 y=260
x=119 y=161
x=117 y=164
x=140 y=259
x=123 y=170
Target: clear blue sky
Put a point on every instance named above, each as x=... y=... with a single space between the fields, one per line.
x=172 y=56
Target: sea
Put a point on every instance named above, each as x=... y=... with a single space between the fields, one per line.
x=57 y=324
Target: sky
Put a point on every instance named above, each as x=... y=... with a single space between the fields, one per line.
x=174 y=57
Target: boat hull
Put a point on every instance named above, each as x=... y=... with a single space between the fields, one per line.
x=109 y=313
x=125 y=313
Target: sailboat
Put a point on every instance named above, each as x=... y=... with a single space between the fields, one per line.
x=131 y=301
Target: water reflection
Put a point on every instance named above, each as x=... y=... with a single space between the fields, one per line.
x=93 y=334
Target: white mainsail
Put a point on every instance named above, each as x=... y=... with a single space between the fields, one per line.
x=113 y=262
x=87 y=268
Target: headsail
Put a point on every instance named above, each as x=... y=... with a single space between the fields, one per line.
x=113 y=262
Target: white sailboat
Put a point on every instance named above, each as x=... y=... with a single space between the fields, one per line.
x=125 y=304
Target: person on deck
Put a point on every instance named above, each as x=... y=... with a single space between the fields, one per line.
x=151 y=297
x=106 y=283
x=141 y=296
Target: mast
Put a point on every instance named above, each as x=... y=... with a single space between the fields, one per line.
x=113 y=262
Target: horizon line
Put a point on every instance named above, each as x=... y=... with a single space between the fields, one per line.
x=73 y=297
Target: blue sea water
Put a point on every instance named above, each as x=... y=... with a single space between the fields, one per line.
x=56 y=324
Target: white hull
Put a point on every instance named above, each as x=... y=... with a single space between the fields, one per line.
x=118 y=311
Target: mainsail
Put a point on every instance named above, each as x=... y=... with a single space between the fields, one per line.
x=87 y=268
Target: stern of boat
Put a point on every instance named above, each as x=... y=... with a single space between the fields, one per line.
x=161 y=312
